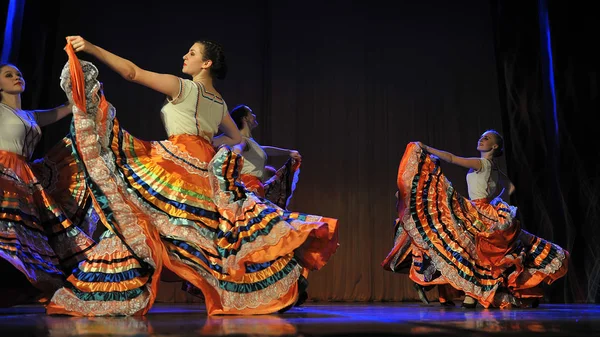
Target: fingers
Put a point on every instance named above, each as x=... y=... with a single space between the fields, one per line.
x=77 y=42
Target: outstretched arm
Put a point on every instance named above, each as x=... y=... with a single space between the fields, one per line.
x=472 y=163
x=277 y=151
x=163 y=83
x=46 y=117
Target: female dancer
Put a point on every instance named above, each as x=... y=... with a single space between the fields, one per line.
x=41 y=203
x=176 y=204
x=474 y=245
x=277 y=186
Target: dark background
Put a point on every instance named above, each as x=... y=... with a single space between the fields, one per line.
x=349 y=84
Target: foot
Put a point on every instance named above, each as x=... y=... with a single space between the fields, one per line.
x=469 y=302
x=302 y=297
x=302 y=294
x=447 y=304
x=421 y=292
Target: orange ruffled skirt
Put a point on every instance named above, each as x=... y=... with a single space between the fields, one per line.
x=176 y=204
x=476 y=247
x=46 y=221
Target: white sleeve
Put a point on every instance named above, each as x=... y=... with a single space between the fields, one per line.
x=225 y=110
x=185 y=88
x=486 y=166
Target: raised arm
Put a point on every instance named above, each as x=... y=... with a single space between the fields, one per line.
x=46 y=117
x=472 y=163
x=277 y=151
x=163 y=83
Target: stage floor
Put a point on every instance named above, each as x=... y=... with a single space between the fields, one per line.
x=320 y=319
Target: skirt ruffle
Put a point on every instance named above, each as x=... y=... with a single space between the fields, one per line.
x=176 y=204
x=46 y=221
x=474 y=246
x=279 y=188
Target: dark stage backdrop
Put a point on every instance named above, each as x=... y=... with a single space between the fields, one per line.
x=577 y=77
x=553 y=155
x=348 y=84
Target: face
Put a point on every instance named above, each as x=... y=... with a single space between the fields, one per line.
x=193 y=61
x=11 y=80
x=487 y=142
x=251 y=120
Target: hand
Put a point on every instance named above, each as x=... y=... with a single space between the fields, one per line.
x=511 y=188
x=295 y=155
x=422 y=146
x=79 y=43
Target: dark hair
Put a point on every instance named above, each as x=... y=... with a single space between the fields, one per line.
x=499 y=141
x=214 y=52
x=238 y=113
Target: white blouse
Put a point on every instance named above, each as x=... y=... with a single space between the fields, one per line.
x=19 y=131
x=194 y=111
x=255 y=159
x=482 y=183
